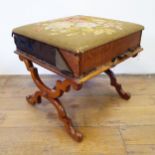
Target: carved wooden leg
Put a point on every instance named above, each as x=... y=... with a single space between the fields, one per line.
x=66 y=120
x=52 y=95
x=117 y=86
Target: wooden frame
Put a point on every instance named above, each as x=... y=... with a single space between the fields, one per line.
x=80 y=64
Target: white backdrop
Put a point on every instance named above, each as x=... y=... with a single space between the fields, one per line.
x=15 y=13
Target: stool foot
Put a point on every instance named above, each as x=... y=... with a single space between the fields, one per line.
x=117 y=86
x=35 y=98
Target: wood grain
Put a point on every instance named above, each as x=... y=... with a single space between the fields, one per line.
x=111 y=125
x=95 y=57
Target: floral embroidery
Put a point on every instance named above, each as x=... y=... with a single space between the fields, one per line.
x=78 y=33
x=82 y=25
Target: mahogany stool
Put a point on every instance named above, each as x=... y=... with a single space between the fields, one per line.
x=76 y=48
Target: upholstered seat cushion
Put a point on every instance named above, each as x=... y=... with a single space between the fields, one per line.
x=78 y=33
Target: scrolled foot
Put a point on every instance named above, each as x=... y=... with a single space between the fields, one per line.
x=117 y=86
x=122 y=93
x=33 y=99
x=126 y=96
x=76 y=135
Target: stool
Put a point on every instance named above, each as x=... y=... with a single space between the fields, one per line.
x=77 y=48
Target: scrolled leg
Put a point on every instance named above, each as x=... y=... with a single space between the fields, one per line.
x=117 y=86
x=76 y=135
x=52 y=95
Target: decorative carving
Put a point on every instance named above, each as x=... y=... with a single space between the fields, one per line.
x=117 y=86
x=52 y=95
